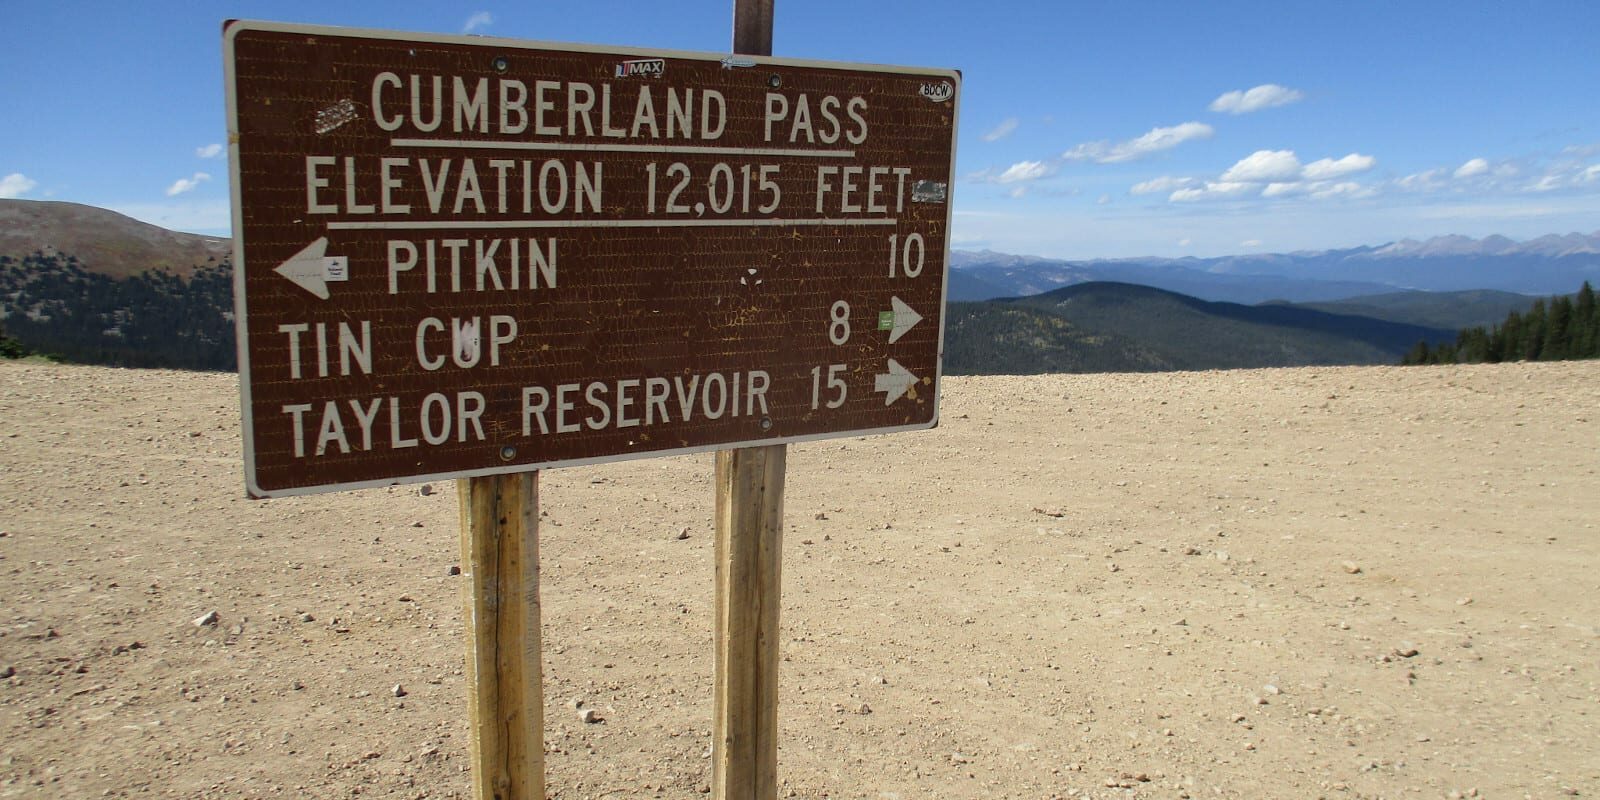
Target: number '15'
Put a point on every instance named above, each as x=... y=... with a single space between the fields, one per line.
x=835 y=383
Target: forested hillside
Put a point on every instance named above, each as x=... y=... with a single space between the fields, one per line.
x=53 y=306
x=1556 y=330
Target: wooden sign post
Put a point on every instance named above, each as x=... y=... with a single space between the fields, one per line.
x=749 y=558
x=749 y=561
x=505 y=680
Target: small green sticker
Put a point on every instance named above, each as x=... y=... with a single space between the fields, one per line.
x=885 y=320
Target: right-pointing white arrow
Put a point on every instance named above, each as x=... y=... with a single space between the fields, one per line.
x=904 y=319
x=893 y=383
x=307 y=268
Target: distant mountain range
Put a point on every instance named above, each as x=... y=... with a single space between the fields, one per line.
x=95 y=286
x=1547 y=265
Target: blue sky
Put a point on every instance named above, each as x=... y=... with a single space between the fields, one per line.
x=1088 y=129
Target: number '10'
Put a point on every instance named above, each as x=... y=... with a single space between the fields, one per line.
x=901 y=258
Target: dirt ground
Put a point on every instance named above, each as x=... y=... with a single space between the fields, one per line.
x=1353 y=582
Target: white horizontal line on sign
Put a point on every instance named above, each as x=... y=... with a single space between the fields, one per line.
x=467 y=144
x=479 y=224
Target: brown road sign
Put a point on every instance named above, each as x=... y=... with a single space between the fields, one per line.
x=460 y=256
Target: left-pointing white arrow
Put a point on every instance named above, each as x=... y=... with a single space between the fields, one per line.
x=308 y=269
x=893 y=383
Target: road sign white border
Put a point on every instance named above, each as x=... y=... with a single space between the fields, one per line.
x=233 y=28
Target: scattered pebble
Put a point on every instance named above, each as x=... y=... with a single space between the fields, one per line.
x=1352 y=567
x=589 y=715
x=425 y=489
x=683 y=533
x=307 y=618
x=453 y=570
x=208 y=618
x=398 y=690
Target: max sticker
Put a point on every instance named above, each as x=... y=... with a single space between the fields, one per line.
x=938 y=92
x=647 y=67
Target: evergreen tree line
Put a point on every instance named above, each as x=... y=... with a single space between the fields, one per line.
x=54 y=307
x=9 y=347
x=1566 y=327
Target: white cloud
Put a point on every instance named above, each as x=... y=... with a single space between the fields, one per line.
x=1284 y=189
x=1267 y=95
x=1158 y=139
x=1264 y=165
x=481 y=19
x=1250 y=243
x=1002 y=130
x=1352 y=189
x=1024 y=171
x=185 y=185
x=1327 y=169
x=16 y=185
x=208 y=151
x=1104 y=200
x=1269 y=174
x=1473 y=168
x=1423 y=181
x=1165 y=183
x=1213 y=190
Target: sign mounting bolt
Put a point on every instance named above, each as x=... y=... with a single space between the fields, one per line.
x=507 y=453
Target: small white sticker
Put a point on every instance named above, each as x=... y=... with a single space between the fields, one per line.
x=737 y=61
x=938 y=92
x=335 y=269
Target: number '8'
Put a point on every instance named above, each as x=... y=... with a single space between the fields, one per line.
x=839 y=328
